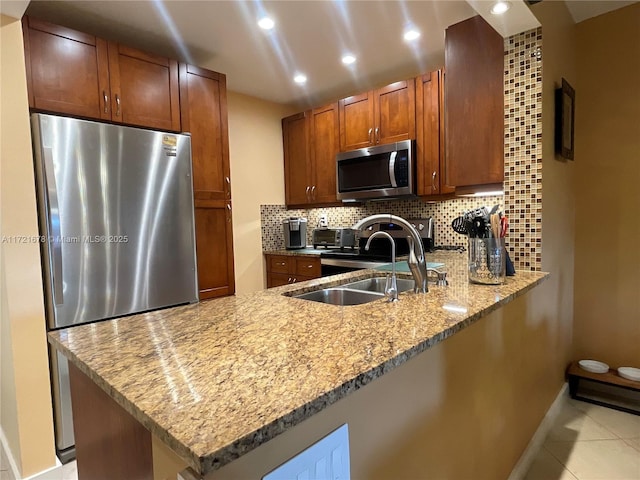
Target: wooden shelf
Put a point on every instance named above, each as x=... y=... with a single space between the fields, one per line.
x=575 y=374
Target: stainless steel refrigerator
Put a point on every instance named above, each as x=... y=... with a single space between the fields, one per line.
x=117 y=225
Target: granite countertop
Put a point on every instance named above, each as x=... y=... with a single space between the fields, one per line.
x=215 y=380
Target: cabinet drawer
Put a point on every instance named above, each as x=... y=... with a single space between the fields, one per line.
x=278 y=279
x=308 y=267
x=279 y=264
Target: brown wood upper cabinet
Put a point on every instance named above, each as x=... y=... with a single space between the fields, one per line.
x=74 y=73
x=203 y=106
x=474 y=104
x=310 y=141
x=430 y=164
x=385 y=115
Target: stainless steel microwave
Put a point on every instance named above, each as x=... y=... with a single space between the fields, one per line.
x=383 y=171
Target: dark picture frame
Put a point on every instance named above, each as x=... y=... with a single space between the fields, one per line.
x=565 y=116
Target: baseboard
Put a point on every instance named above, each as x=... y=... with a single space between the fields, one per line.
x=535 y=444
x=48 y=474
x=9 y=454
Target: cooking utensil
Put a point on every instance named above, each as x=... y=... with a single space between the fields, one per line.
x=458 y=225
x=495 y=226
x=504 y=226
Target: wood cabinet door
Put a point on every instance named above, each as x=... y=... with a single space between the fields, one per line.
x=356 y=121
x=325 y=136
x=297 y=173
x=474 y=104
x=67 y=71
x=395 y=112
x=430 y=167
x=214 y=248
x=203 y=106
x=144 y=88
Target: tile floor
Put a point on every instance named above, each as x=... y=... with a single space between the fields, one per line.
x=586 y=442
x=589 y=442
x=68 y=472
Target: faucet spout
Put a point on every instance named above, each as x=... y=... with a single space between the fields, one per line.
x=417 y=262
x=391 y=290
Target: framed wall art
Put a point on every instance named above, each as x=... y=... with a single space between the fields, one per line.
x=565 y=116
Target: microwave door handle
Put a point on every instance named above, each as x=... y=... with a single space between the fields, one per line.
x=392 y=169
x=53 y=218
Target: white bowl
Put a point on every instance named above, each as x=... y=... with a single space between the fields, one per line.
x=630 y=373
x=593 y=366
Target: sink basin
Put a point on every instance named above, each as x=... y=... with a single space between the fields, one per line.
x=377 y=284
x=341 y=296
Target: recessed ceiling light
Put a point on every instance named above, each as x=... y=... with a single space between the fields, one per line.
x=348 y=59
x=300 y=78
x=500 y=7
x=266 y=23
x=411 y=35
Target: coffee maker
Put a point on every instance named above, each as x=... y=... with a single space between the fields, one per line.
x=295 y=232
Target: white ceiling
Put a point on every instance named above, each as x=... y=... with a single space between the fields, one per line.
x=310 y=36
x=582 y=10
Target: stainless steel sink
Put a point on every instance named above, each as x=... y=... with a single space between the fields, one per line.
x=355 y=293
x=377 y=284
x=341 y=296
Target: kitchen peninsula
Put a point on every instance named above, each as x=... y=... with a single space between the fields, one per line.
x=238 y=385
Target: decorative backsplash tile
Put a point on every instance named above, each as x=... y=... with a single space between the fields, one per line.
x=522 y=200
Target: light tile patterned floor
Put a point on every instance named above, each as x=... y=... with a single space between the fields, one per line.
x=589 y=442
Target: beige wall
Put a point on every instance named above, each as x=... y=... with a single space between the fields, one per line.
x=26 y=416
x=257 y=177
x=607 y=145
x=558 y=188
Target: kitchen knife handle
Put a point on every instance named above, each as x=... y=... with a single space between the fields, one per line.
x=117 y=105
x=55 y=240
x=106 y=101
x=433 y=181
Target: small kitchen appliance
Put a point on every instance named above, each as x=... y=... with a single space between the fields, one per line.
x=334 y=237
x=379 y=172
x=295 y=232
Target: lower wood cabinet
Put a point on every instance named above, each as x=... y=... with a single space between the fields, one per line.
x=214 y=248
x=286 y=269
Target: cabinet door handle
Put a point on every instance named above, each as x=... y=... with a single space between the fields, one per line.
x=433 y=180
x=229 y=209
x=377 y=135
x=228 y=180
x=294 y=280
x=370 y=137
x=117 y=105
x=281 y=264
x=106 y=101
x=313 y=192
x=307 y=193
x=289 y=280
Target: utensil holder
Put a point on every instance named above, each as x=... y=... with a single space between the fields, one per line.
x=487 y=261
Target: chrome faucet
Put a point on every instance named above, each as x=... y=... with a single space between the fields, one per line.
x=391 y=289
x=417 y=262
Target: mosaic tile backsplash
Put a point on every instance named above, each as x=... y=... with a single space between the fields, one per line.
x=522 y=200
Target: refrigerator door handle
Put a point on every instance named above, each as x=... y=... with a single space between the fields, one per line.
x=53 y=218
